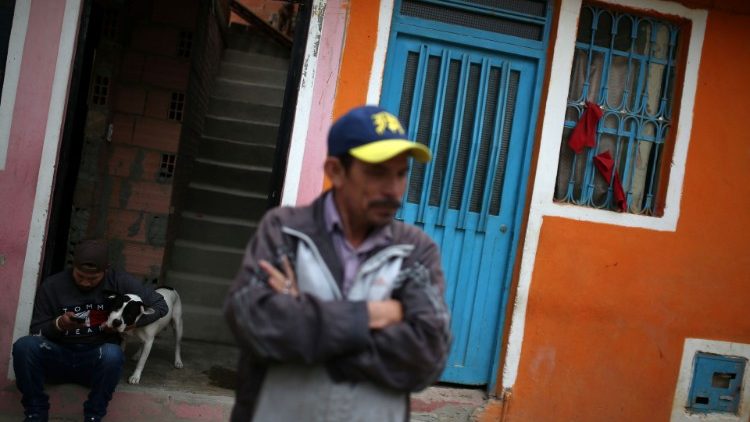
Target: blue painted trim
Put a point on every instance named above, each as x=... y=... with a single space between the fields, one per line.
x=470 y=36
x=521 y=209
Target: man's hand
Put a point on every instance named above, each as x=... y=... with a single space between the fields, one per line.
x=384 y=313
x=65 y=322
x=285 y=282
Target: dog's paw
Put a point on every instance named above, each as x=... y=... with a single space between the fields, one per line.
x=134 y=379
x=178 y=364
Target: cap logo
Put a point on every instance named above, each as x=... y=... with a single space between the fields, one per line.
x=384 y=120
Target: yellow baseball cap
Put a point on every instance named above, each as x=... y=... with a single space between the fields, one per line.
x=373 y=135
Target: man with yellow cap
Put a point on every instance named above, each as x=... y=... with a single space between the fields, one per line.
x=337 y=307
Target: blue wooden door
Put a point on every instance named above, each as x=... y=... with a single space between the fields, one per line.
x=474 y=108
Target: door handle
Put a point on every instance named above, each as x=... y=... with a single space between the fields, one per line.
x=503 y=228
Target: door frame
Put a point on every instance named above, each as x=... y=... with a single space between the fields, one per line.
x=507 y=45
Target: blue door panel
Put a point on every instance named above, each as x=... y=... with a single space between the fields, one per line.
x=474 y=107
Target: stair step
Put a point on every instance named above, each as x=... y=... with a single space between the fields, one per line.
x=205 y=259
x=218 y=231
x=197 y=289
x=255 y=93
x=255 y=59
x=228 y=175
x=236 y=152
x=224 y=202
x=248 y=39
x=257 y=74
x=244 y=110
x=240 y=130
x=206 y=323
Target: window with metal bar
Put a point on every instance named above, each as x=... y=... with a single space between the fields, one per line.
x=100 y=91
x=626 y=63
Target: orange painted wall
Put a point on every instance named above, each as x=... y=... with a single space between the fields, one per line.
x=610 y=307
x=356 y=61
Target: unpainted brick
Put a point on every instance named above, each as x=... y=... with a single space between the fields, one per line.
x=123 y=126
x=161 y=135
x=141 y=195
x=126 y=225
x=166 y=72
x=157 y=103
x=130 y=99
x=131 y=68
x=160 y=40
x=140 y=258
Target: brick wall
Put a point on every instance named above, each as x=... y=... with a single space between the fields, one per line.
x=137 y=106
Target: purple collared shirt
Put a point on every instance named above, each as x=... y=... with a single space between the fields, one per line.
x=351 y=258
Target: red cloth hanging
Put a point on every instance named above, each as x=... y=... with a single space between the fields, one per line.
x=584 y=134
x=604 y=163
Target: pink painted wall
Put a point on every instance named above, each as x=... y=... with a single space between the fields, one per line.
x=324 y=93
x=18 y=180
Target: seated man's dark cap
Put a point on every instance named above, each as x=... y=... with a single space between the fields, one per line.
x=90 y=256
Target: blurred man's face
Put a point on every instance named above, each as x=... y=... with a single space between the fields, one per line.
x=371 y=193
x=86 y=280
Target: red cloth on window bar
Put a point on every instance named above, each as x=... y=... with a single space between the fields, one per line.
x=584 y=134
x=604 y=163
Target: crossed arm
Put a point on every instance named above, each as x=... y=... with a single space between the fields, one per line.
x=401 y=343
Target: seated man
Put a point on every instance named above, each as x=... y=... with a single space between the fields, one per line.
x=68 y=342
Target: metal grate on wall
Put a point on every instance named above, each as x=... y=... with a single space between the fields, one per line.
x=100 y=91
x=519 y=18
x=185 y=44
x=626 y=63
x=176 y=106
x=461 y=106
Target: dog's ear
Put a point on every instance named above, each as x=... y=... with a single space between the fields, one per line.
x=147 y=311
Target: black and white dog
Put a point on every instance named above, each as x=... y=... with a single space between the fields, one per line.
x=126 y=310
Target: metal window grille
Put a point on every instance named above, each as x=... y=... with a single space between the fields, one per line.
x=185 y=44
x=485 y=15
x=626 y=63
x=176 y=106
x=166 y=168
x=100 y=92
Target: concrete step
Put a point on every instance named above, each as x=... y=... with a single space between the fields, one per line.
x=231 y=232
x=236 y=152
x=206 y=323
x=205 y=259
x=246 y=38
x=251 y=92
x=197 y=289
x=201 y=391
x=255 y=59
x=244 y=110
x=222 y=202
x=231 y=175
x=257 y=74
x=240 y=130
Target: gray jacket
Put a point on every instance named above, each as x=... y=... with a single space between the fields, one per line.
x=314 y=357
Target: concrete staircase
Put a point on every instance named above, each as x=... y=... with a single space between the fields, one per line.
x=229 y=184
